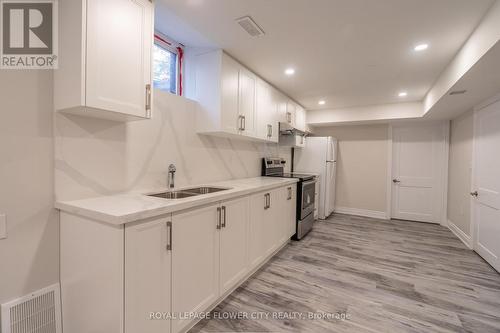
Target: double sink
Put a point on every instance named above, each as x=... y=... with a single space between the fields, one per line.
x=189 y=192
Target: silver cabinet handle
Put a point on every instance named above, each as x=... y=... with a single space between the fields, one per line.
x=169 y=236
x=148 y=100
x=240 y=123
x=223 y=217
x=395 y=181
x=267 y=201
x=289 y=194
x=219 y=214
x=244 y=123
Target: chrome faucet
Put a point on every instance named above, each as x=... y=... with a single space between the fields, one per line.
x=171 y=175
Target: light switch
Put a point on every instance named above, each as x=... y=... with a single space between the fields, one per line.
x=3 y=226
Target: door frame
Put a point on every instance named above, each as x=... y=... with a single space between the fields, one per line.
x=473 y=182
x=444 y=170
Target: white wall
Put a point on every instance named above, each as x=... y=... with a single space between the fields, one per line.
x=96 y=157
x=362 y=166
x=29 y=257
x=459 y=177
x=362 y=114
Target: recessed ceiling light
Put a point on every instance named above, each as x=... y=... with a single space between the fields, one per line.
x=421 y=47
x=321 y=102
x=403 y=94
x=290 y=71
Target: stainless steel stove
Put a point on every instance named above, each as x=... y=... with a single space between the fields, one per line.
x=274 y=167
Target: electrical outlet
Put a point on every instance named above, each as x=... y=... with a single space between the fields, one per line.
x=3 y=226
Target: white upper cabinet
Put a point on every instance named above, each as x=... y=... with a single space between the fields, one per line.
x=300 y=118
x=105 y=59
x=225 y=91
x=234 y=102
x=247 y=90
x=267 y=112
x=290 y=112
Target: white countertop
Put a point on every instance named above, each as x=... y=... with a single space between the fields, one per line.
x=128 y=207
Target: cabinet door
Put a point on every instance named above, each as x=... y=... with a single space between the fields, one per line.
x=119 y=43
x=229 y=99
x=300 y=118
x=147 y=276
x=267 y=126
x=195 y=262
x=273 y=220
x=290 y=112
x=274 y=116
x=291 y=211
x=233 y=242
x=257 y=228
x=282 y=107
x=247 y=84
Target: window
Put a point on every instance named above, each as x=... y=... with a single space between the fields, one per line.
x=167 y=65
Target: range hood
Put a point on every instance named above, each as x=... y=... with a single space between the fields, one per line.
x=288 y=129
x=291 y=137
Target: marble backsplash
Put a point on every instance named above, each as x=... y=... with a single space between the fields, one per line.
x=95 y=157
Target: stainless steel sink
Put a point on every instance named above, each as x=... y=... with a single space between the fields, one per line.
x=205 y=189
x=186 y=193
x=173 y=195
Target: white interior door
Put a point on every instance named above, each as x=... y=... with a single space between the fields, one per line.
x=418 y=172
x=486 y=237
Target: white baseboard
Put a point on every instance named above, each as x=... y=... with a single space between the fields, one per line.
x=361 y=212
x=467 y=240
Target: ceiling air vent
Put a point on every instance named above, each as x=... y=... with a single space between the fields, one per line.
x=249 y=25
x=458 y=92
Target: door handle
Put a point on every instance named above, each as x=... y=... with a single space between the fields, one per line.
x=244 y=123
x=169 y=237
x=223 y=217
x=474 y=194
x=395 y=181
x=289 y=194
x=219 y=218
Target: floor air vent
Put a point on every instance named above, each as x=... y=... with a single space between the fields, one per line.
x=39 y=312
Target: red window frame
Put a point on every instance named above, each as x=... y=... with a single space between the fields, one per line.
x=172 y=46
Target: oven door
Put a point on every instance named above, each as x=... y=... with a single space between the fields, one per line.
x=307 y=198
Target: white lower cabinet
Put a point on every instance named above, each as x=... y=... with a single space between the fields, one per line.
x=233 y=243
x=272 y=222
x=195 y=262
x=259 y=217
x=152 y=275
x=148 y=276
x=288 y=216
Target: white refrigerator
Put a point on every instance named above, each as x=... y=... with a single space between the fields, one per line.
x=319 y=156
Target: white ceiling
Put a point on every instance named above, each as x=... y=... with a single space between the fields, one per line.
x=348 y=52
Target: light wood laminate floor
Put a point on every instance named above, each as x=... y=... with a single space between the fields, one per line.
x=386 y=276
